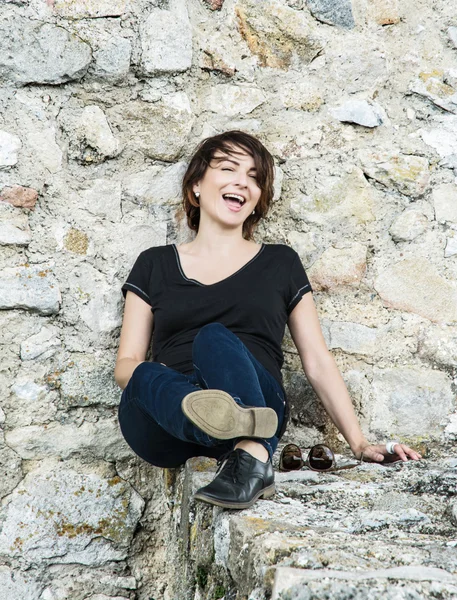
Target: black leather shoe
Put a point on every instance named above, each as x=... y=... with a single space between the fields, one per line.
x=240 y=480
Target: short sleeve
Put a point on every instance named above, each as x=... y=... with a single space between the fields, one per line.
x=298 y=284
x=139 y=278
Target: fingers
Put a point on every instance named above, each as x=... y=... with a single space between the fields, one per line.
x=373 y=453
x=403 y=451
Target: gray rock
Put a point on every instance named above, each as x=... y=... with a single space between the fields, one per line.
x=352 y=337
x=360 y=112
x=102 y=199
x=75 y=513
x=30 y=288
x=414 y=285
x=10 y=144
x=408 y=226
x=67 y=57
x=89 y=380
x=102 y=440
x=156 y=185
x=18 y=586
x=112 y=61
x=451 y=246
x=439 y=345
x=43 y=344
x=14 y=226
x=442 y=138
x=146 y=126
x=452 y=33
x=10 y=470
x=410 y=401
x=232 y=100
x=440 y=93
x=333 y=12
x=445 y=201
x=89 y=8
x=409 y=173
x=166 y=40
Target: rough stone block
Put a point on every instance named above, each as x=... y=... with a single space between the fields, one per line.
x=333 y=12
x=359 y=112
x=112 y=60
x=384 y=12
x=414 y=285
x=451 y=246
x=102 y=440
x=409 y=174
x=232 y=100
x=452 y=33
x=20 y=196
x=66 y=58
x=89 y=9
x=102 y=199
x=156 y=185
x=431 y=86
x=408 y=226
x=10 y=145
x=70 y=513
x=445 y=202
x=439 y=345
x=339 y=267
x=14 y=226
x=442 y=138
x=14 y=584
x=410 y=401
x=30 y=288
x=352 y=337
x=159 y=130
x=166 y=40
x=88 y=380
x=43 y=344
x=277 y=34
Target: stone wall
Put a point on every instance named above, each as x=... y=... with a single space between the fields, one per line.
x=101 y=105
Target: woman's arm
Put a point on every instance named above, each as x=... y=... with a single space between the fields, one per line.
x=135 y=338
x=323 y=374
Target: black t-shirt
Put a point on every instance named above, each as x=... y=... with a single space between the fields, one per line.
x=254 y=303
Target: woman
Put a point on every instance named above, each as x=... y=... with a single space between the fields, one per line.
x=218 y=307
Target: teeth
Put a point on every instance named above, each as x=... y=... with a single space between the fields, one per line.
x=240 y=198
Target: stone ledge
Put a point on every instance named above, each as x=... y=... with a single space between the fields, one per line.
x=388 y=526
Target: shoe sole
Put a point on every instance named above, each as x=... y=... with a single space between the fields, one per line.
x=216 y=413
x=265 y=493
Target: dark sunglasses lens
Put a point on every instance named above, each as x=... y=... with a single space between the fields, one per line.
x=291 y=458
x=320 y=458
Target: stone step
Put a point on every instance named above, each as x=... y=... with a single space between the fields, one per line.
x=368 y=520
x=398 y=582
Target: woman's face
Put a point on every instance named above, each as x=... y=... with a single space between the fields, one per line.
x=226 y=175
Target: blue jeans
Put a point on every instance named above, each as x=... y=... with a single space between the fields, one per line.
x=150 y=414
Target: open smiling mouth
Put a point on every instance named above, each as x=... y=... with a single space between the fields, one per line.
x=234 y=201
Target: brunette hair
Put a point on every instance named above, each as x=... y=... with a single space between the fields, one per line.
x=229 y=142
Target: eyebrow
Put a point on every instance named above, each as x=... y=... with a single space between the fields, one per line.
x=223 y=158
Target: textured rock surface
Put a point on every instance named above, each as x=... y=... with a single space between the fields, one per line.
x=333 y=13
x=359 y=112
x=101 y=105
x=66 y=57
x=415 y=286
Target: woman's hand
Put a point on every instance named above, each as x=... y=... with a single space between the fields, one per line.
x=378 y=453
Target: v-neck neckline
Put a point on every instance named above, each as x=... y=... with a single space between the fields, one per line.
x=178 y=261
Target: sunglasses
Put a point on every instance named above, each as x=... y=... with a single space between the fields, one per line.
x=320 y=458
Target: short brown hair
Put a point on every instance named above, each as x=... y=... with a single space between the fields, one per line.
x=200 y=161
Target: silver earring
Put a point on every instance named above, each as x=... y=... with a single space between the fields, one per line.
x=197 y=194
x=253 y=212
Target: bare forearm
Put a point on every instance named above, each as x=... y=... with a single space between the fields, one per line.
x=328 y=384
x=124 y=369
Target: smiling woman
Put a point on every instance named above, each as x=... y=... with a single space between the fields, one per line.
x=218 y=306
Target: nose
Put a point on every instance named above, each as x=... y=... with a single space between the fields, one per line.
x=241 y=179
